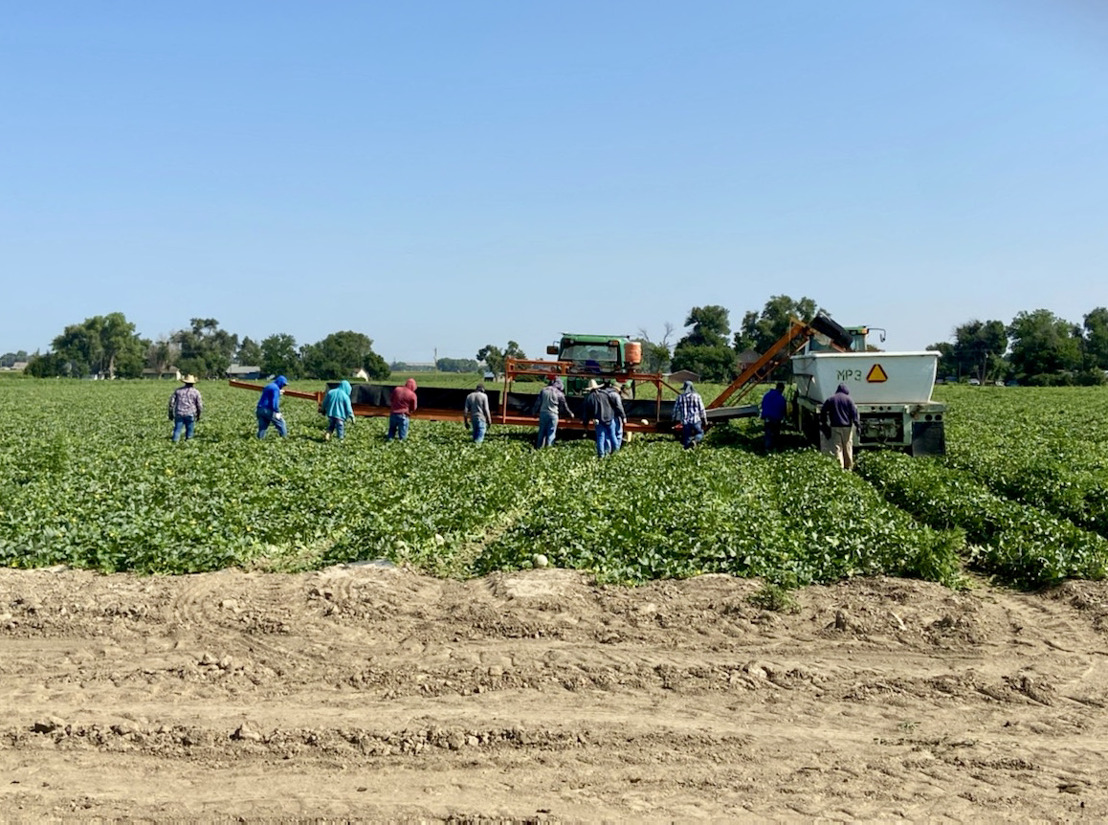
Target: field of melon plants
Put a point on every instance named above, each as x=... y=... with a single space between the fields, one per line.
x=91 y=479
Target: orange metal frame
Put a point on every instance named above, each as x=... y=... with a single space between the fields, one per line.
x=517 y=367
x=363 y=410
x=772 y=359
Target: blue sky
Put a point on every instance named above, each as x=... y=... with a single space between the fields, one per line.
x=442 y=175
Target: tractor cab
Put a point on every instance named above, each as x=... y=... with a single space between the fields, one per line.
x=595 y=357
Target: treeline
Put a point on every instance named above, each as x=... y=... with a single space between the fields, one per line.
x=109 y=346
x=711 y=349
x=1037 y=348
x=10 y=359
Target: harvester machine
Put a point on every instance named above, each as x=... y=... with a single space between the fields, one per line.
x=581 y=359
x=892 y=390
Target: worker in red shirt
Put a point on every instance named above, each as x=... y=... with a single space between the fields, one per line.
x=403 y=404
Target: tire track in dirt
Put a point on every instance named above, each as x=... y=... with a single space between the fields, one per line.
x=231 y=616
x=1064 y=657
x=538 y=695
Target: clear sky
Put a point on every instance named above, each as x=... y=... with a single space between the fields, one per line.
x=442 y=174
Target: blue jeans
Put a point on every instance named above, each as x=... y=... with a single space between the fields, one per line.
x=691 y=433
x=772 y=434
x=183 y=422
x=605 y=438
x=336 y=426
x=398 y=426
x=617 y=425
x=548 y=427
x=479 y=427
x=267 y=417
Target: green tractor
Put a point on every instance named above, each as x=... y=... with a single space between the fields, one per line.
x=596 y=357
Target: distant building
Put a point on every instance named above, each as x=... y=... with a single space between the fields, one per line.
x=169 y=373
x=681 y=376
x=244 y=372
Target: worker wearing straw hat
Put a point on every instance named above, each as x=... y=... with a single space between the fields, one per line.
x=598 y=410
x=185 y=406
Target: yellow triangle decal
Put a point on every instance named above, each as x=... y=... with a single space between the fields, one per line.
x=876 y=375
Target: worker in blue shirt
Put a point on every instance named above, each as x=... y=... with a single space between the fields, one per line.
x=773 y=415
x=269 y=407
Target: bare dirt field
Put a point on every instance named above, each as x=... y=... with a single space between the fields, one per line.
x=365 y=692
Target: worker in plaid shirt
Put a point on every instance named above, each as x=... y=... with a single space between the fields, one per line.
x=689 y=412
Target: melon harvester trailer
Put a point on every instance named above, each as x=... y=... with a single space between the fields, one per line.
x=892 y=390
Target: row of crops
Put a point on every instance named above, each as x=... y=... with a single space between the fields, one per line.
x=1025 y=478
x=91 y=479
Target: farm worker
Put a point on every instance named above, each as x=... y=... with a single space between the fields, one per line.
x=338 y=409
x=773 y=415
x=618 y=415
x=839 y=416
x=598 y=409
x=185 y=406
x=549 y=404
x=476 y=413
x=269 y=407
x=689 y=412
x=403 y=404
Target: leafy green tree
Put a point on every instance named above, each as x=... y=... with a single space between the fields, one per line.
x=759 y=331
x=979 y=348
x=341 y=355
x=495 y=358
x=656 y=355
x=280 y=356
x=1046 y=349
x=249 y=353
x=710 y=326
x=162 y=354
x=456 y=365
x=46 y=365
x=79 y=349
x=376 y=367
x=711 y=363
x=104 y=345
x=206 y=350
x=131 y=360
x=10 y=359
x=948 y=364
x=1096 y=339
x=704 y=349
x=978 y=351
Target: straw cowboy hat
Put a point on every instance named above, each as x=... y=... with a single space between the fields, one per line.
x=593 y=385
x=189 y=379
